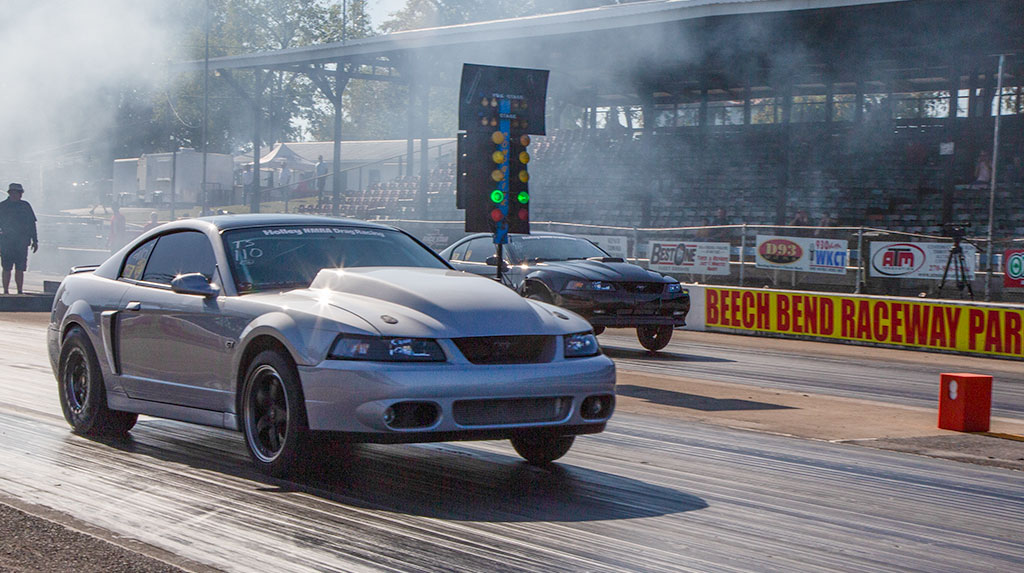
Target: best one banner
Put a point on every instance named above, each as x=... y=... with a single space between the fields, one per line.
x=964 y=328
x=693 y=258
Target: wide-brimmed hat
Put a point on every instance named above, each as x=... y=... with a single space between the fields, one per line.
x=16 y=187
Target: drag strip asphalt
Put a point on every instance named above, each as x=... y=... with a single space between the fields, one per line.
x=652 y=493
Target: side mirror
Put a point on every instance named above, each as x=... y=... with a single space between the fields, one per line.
x=194 y=283
x=492 y=261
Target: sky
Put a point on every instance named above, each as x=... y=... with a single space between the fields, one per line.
x=381 y=9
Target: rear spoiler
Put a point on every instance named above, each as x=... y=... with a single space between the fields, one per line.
x=83 y=269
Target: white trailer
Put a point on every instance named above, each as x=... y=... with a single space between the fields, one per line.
x=185 y=168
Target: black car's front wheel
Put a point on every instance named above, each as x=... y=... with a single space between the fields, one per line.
x=273 y=415
x=654 y=337
x=83 y=397
x=541 y=448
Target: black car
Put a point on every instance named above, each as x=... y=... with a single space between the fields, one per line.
x=576 y=274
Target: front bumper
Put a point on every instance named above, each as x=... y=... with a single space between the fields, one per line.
x=613 y=310
x=353 y=397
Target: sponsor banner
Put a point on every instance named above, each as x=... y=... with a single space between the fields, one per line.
x=1013 y=268
x=692 y=258
x=917 y=260
x=939 y=326
x=805 y=254
x=614 y=245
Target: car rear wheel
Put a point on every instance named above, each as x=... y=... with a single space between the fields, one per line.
x=654 y=337
x=83 y=397
x=273 y=415
x=540 y=449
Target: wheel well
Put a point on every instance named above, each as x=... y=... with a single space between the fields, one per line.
x=67 y=330
x=536 y=287
x=256 y=345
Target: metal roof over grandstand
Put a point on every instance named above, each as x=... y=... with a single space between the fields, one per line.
x=559 y=24
x=668 y=46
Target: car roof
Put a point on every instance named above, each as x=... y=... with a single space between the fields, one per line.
x=521 y=235
x=228 y=222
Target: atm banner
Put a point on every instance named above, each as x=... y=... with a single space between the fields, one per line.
x=1013 y=268
x=917 y=260
x=693 y=258
x=809 y=255
x=941 y=326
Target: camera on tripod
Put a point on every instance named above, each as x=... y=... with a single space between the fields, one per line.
x=956 y=231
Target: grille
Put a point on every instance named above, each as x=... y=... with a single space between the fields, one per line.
x=507 y=349
x=511 y=411
x=642 y=288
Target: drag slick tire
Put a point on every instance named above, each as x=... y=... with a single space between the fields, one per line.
x=83 y=397
x=654 y=337
x=274 y=415
x=541 y=448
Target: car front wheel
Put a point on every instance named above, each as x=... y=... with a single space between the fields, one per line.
x=273 y=415
x=540 y=449
x=654 y=337
x=83 y=398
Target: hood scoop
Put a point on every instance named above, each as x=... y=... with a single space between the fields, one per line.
x=607 y=259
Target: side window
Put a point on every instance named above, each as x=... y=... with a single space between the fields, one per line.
x=479 y=249
x=177 y=254
x=135 y=263
x=459 y=253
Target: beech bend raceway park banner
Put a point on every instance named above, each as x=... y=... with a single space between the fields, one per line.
x=989 y=330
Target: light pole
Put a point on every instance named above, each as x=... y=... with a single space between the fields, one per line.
x=206 y=101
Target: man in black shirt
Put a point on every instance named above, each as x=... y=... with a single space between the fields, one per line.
x=18 y=228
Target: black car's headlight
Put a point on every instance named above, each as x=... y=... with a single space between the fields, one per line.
x=349 y=347
x=674 y=288
x=581 y=344
x=589 y=285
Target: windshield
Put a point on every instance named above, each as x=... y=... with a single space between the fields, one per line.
x=290 y=257
x=538 y=248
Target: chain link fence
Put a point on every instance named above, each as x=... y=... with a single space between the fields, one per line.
x=862 y=260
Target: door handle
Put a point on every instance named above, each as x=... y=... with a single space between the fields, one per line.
x=133 y=305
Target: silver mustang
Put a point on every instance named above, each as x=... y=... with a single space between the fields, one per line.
x=294 y=329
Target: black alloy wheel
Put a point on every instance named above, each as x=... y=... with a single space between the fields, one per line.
x=654 y=337
x=273 y=415
x=83 y=398
x=541 y=448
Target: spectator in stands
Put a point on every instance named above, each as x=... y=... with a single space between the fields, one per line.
x=704 y=233
x=18 y=225
x=983 y=169
x=826 y=221
x=720 y=233
x=800 y=219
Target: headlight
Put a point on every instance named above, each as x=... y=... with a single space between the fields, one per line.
x=581 y=344
x=348 y=347
x=674 y=288
x=589 y=285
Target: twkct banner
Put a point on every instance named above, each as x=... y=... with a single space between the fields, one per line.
x=919 y=260
x=809 y=255
x=943 y=326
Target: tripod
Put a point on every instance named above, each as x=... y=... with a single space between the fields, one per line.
x=956 y=260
